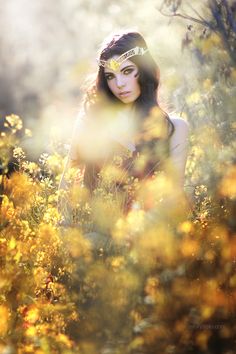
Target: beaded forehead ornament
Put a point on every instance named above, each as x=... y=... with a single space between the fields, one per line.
x=114 y=64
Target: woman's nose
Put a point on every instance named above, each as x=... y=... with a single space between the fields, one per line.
x=120 y=82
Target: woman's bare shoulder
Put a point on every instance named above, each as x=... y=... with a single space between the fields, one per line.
x=179 y=123
x=181 y=132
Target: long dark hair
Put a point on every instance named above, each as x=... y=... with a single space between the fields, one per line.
x=149 y=76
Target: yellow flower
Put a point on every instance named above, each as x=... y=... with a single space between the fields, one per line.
x=151 y=286
x=51 y=215
x=12 y=243
x=64 y=339
x=208 y=44
x=202 y=339
x=28 y=133
x=78 y=245
x=136 y=343
x=30 y=167
x=207 y=312
x=55 y=163
x=207 y=84
x=155 y=125
x=215 y=38
x=7 y=209
x=117 y=263
x=31 y=331
x=189 y=247
x=32 y=315
x=232 y=281
x=14 y=122
x=233 y=74
x=227 y=186
x=4 y=319
x=194 y=98
x=18 y=153
x=185 y=227
x=22 y=189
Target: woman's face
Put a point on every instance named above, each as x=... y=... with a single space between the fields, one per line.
x=123 y=83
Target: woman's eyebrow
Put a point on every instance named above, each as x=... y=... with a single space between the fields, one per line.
x=128 y=66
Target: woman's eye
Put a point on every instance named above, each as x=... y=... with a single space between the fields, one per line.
x=109 y=77
x=128 y=71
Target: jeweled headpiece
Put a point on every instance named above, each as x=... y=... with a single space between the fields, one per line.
x=114 y=64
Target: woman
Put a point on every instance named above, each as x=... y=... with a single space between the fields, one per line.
x=122 y=118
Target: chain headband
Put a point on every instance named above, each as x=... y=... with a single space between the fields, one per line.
x=114 y=64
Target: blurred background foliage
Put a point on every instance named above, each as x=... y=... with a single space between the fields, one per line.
x=164 y=281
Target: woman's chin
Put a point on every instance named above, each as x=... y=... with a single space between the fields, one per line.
x=126 y=100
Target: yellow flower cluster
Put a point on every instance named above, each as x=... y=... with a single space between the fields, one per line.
x=73 y=283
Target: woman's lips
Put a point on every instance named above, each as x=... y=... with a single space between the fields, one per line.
x=124 y=93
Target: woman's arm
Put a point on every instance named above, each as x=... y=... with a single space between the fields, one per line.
x=179 y=148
